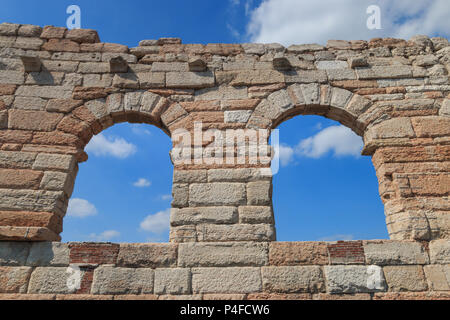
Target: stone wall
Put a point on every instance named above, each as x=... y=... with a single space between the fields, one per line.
x=60 y=87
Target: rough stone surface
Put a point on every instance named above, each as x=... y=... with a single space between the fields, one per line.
x=227 y=280
x=354 y=279
x=111 y=280
x=293 y=279
x=389 y=253
x=172 y=281
x=405 y=278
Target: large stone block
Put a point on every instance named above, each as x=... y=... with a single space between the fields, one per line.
x=48 y=254
x=354 y=279
x=255 y=214
x=13 y=159
x=405 y=278
x=210 y=194
x=183 y=216
x=149 y=255
x=47 y=161
x=14 y=279
x=438 y=277
x=31 y=200
x=226 y=280
x=189 y=79
x=222 y=254
x=298 y=253
x=293 y=279
x=235 y=232
x=13 y=253
x=172 y=281
x=55 y=280
x=259 y=193
x=33 y=120
x=440 y=251
x=395 y=252
x=112 y=280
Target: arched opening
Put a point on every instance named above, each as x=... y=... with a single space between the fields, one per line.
x=324 y=189
x=122 y=193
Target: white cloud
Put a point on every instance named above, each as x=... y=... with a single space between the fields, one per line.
x=339 y=139
x=166 y=197
x=336 y=237
x=141 y=183
x=101 y=145
x=286 y=154
x=105 y=235
x=304 y=21
x=157 y=223
x=139 y=129
x=80 y=208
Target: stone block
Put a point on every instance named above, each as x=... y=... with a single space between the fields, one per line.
x=293 y=279
x=226 y=280
x=112 y=280
x=147 y=255
x=235 y=232
x=255 y=214
x=259 y=193
x=48 y=254
x=225 y=254
x=189 y=79
x=184 y=216
x=13 y=253
x=14 y=279
x=440 y=251
x=217 y=193
x=438 y=277
x=54 y=280
x=354 y=279
x=405 y=278
x=172 y=281
x=395 y=253
x=298 y=253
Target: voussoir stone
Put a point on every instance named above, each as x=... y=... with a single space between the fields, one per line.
x=225 y=254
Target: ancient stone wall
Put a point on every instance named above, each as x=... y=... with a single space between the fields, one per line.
x=60 y=87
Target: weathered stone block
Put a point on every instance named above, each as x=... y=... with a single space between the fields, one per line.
x=395 y=252
x=259 y=193
x=354 y=279
x=13 y=253
x=440 y=251
x=54 y=280
x=172 y=281
x=14 y=279
x=438 y=277
x=405 y=278
x=112 y=280
x=217 y=193
x=293 y=279
x=222 y=254
x=33 y=120
x=255 y=214
x=227 y=280
x=189 y=79
x=148 y=255
x=48 y=254
x=47 y=161
x=184 y=216
x=298 y=253
x=180 y=195
x=236 y=232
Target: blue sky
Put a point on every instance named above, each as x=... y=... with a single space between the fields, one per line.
x=324 y=189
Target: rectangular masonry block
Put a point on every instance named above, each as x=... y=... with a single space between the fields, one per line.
x=54 y=280
x=111 y=280
x=298 y=253
x=189 y=176
x=354 y=279
x=14 y=279
x=226 y=280
x=394 y=252
x=48 y=254
x=255 y=214
x=172 y=281
x=210 y=194
x=222 y=254
x=149 y=255
x=438 y=277
x=31 y=200
x=235 y=232
x=440 y=251
x=13 y=253
x=47 y=161
x=292 y=279
x=14 y=159
x=405 y=278
x=184 y=216
x=189 y=79
x=239 y=175
x=259 y=193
